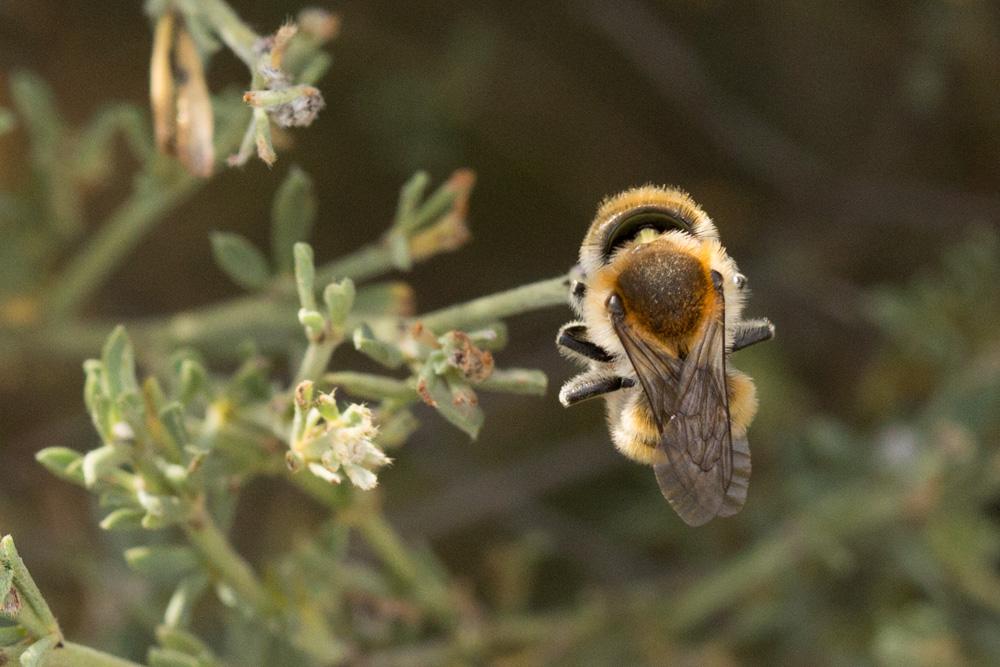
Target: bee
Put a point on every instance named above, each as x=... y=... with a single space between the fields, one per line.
x=660 y=304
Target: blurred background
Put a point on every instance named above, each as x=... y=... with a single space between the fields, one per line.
x=848 y=152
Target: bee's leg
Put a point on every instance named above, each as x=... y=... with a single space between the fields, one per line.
x=577 y=290
x=591 y=385
x=573 y=337
x=752 y=331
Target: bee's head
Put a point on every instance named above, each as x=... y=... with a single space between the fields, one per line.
x=644 y=211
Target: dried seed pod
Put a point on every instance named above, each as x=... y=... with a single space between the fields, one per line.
x=182 y=107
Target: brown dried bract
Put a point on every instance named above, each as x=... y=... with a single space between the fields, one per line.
x=475 y=364
x=182 y=108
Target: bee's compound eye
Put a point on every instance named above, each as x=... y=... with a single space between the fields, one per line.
x=740 y=280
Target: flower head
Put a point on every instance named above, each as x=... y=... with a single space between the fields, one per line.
x=331 y=443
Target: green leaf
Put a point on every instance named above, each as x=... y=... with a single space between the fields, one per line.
x=315 y=69
x=8 y=121
x=96 y=146
x=174 y=430
x=397 y=429
x=435 y=206
x=118 y=359
x=123 y=518
x=339 y=299
x=62 y=462
x=516 y=381
x=166 y=563
x=11 y=634
x=6 y=583
x=491 y=337
x=37 y=110
x=161 y=511
x=313 y=321
x=305 y=275
x=181 y=640
x=453 y=398
x=385 y=353
x=34 y=655
x=240 y=260
x=163 y=657
x=183 y=600
x=97 y=463
x=292 y=216
x=409 y=198
x=192 y=378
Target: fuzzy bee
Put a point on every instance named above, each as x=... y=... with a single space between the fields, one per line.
x=660 y=304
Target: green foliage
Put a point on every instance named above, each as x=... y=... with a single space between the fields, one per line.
x=240 y=260
x=875 y=541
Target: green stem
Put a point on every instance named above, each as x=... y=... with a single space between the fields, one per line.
x=542 y=294
x=392 y=551
x=114 y=241
x=316 y=359
x=225 y=564
x=833 y=518
x=75 y=655
x=366 y=262
x=35 y=615
x=370 y=386
x=234 y=32
x=145 y=207
x=516 y=381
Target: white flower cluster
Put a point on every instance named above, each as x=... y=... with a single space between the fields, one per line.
x=331 y=443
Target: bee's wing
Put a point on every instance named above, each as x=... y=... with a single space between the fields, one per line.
x=690 y=403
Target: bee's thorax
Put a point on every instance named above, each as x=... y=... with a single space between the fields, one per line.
x=665 y=289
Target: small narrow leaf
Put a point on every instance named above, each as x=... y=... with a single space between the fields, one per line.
x=339 y=299
x=35 y=654
x=454 y=399
x=97 y=463
x=385 y=353
x=174 y=431
x=292 y=216
x=62 y=462
x=123 y=518
x=516 y=381
x=118 y=360
x=178 y=613
x=312 y=321
x=161 y=511
x=192 y=378
x=240 y=260
x=162 y=562
x=305 y=275
x=6 y=583
x=409 y=198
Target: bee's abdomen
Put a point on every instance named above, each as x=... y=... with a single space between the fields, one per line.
x=667 y=291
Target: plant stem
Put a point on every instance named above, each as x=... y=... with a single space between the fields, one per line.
x=391 y=550
x=833 y=518
x=370 y=386
x=368 y=261
x=146 y=206
x=234 y=32
x=76 y=655
x=35 y=615
x=533 y=296
x=225 y=564
x=115 y=239
x=316 y=359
